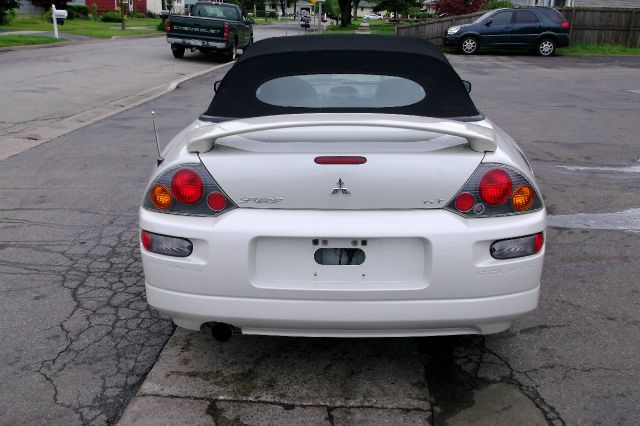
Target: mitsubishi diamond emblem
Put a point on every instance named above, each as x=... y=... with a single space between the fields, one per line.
x=340 y=189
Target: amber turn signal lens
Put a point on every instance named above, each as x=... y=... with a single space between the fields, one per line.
x=523 y=198
x=160 y=197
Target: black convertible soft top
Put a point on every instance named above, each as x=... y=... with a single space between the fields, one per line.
x=410 y=58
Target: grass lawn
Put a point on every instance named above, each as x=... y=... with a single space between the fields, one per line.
x=594 y=49
x=23 y=39
x=350 y=29
x=381 y=27
x=84 y=27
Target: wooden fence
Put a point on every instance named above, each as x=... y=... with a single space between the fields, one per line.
x=587 y=25
x=434 y=30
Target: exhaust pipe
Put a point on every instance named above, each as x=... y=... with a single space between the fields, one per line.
x=221 y=331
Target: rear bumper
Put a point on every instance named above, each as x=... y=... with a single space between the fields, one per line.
x=192 y=42
x=563 y=40
x=427 y=272
x=342 y=318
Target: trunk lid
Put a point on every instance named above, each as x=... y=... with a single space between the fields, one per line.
x=404 y=169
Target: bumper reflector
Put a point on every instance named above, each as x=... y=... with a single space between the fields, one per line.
x=517 y=247
x=162 y=244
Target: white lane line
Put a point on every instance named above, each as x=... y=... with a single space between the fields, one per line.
x=634 y=91
x=625 y=169
x=628 y=220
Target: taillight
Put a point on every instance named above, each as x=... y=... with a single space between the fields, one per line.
x=216 y=201
x=164 y=244
x=187 y=186
x=167 y=25
x=495 y=190
x=517 y=247
x=495 y=187
x=227 y=32
x=565 y=25
x=189 y=190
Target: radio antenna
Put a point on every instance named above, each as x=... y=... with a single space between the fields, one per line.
x=155 y=131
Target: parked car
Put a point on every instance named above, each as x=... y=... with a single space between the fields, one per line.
x=373 y=16
x=346 y=186
x=210 y=27
x=538 y=29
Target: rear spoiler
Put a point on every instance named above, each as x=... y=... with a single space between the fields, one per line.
x=480 y=138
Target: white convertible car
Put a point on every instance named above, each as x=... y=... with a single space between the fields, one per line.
x=343 y=186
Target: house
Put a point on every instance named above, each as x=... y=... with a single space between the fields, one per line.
x=140 y=6
x=580 y=3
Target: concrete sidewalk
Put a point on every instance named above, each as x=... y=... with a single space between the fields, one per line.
x=363 y=28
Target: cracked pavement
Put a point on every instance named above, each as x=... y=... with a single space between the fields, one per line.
x=77 y=338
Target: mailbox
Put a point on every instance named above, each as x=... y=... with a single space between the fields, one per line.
x=60 y=16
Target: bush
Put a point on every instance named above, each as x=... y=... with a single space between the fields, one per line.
x=111 y=17
x=150 y=14
x=498 y=4
x=162 y=27
x=7 y=12
x=77 y=11
x=137 y=15
x=272 y=14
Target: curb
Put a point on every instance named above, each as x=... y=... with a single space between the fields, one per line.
x=67 y=42
x=25 y=140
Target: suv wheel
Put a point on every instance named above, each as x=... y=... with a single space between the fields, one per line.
x=546 y=47
x=178 y=51
x=469 y=45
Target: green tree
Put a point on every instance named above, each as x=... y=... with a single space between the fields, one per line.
x=46 y=4
x=6 y=6
x=397 y=6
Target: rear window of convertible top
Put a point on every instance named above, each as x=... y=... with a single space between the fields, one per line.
x=340 y=91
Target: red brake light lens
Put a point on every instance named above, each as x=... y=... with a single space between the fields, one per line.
x=495 y=187
x=340 y=160
x=565 y=25
x=216 y=201
x=226 y=30
x=145 y=239
x=464 y=202
x=187 y=186
x=167 y=24
x=539 y=242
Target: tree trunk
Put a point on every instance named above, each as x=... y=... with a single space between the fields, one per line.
x=356 y=3
x=345 y=12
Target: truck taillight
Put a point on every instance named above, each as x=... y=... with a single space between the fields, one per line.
x=167 y=25
x=227 y=33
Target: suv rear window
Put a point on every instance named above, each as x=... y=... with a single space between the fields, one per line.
x=340 y=91
x=552 y=14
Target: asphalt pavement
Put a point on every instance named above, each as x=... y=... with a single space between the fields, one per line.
x=77 y=339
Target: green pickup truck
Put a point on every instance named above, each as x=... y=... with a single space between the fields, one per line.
x=210 y=27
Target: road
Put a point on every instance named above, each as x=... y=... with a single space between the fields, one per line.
x=49 y=92
x=77 y=338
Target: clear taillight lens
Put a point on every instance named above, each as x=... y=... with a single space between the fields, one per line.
x=517 y=247
x=187 y=189
x=164 y=244
x=495 y=190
